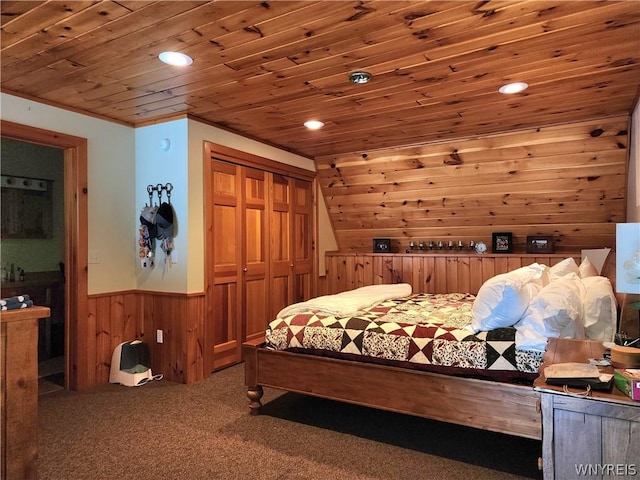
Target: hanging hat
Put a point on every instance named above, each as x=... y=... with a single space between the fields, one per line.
x=148 y=219
x=164 y=221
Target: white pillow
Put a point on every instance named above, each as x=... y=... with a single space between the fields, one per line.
x=562 y=268
x=600 y=309
x=587 y=269
x=502 y=299
x=556 y=311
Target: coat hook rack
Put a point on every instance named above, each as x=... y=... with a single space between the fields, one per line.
x=159 y=188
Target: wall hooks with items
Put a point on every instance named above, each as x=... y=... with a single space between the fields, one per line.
x=157 y=222
x=159 y=188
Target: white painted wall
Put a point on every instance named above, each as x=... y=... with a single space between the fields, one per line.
x=154 y=166
x=111 y=180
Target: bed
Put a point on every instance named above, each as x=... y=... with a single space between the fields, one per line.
x=457 y=358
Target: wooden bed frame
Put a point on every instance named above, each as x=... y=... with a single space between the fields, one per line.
x=499 y=407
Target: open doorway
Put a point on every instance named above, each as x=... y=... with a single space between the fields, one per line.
x=75 y=286
x=33 y=245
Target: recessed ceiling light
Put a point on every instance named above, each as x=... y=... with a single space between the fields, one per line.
x=176 y=59
x=360 y=77
x=313 y=124
x=516 y=87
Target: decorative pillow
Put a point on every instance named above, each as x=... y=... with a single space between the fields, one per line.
x=587 y=269
x=503 y=299
x=562 y=268
x=556 y=311
x=600 y=309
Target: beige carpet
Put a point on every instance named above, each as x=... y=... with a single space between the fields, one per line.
x=164 y=430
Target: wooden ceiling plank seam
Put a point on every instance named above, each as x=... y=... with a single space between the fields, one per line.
x=66 y=30
x=141 y=19
x=37 y=18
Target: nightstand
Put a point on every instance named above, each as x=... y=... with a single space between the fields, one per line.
x=595 y=436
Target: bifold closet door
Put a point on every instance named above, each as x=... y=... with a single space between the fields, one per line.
x=281 y=249
x=256 y=238
x=302 y=240
x=224 y=307
x=291 y=218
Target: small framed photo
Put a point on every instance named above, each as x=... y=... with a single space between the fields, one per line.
x=539 y=243
x=502 y=242
x=381 y=245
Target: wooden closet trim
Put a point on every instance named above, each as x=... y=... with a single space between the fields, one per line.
x=220 y=152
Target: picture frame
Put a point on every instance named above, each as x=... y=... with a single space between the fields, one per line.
x=381 y=245
x=502 y=242
x=539 y=243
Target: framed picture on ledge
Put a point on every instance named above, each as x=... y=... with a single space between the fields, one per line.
x=539 y=243
x=502 y=242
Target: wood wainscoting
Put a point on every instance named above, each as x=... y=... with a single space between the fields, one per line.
x=125 y=316
x=426 y=272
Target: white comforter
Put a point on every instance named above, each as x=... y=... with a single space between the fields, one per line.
x=349 y=302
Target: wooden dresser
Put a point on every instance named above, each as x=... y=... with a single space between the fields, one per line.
x=19 y=392
x=594 y=436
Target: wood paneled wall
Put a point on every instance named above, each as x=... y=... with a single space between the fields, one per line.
x=426 y=272
x=125 y=316
x=565 y=180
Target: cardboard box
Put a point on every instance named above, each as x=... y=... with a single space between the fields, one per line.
x=627 y=380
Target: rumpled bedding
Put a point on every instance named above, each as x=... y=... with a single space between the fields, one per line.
x=348 y=303
x=421 y=329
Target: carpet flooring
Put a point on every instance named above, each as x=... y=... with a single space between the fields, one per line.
x=164 y=430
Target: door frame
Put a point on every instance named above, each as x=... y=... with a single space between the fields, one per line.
x=76 y=333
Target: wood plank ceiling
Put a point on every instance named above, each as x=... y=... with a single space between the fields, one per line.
x=263 y=68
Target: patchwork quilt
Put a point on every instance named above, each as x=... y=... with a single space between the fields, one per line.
x=422 y=329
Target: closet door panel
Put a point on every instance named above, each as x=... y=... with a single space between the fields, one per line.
x=256 y=228
x=226 y=328
x=224 y=310
x=256 y=313
x=302 y=240
x=281 y=247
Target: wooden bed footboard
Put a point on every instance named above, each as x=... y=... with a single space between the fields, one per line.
x=499 y=407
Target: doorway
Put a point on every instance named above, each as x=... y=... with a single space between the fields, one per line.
x=76 y=364
x=33 y=244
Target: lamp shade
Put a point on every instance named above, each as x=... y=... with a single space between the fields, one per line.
x=628 y=258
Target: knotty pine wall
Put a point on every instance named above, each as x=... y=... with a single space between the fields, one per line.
x=426 y=272
x=565 y=180
x=126 y=316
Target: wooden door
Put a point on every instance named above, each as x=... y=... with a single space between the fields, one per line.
x=224 y=308
x=302 y=240
x=256 y=252
x=281 y=247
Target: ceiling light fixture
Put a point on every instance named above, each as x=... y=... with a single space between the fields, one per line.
x=359 y=77
x=176 y=59
x=313 y=124
x=516 y=87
